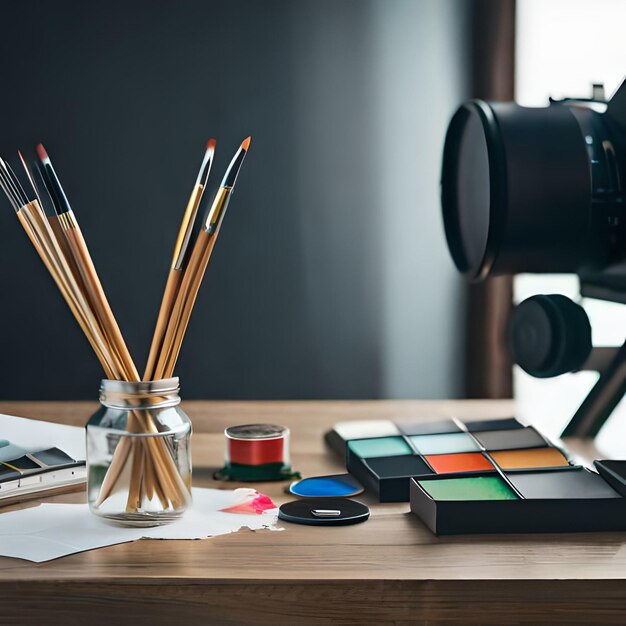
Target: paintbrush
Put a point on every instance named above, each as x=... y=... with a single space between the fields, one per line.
x=78 y=249
x=196 y=267
x=179 y=258
x=165 y=469
x=32 y=219
x=52 y=237
x=39 y=230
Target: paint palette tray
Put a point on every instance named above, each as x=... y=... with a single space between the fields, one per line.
x=487 y=476
x=391 y=454
x=576 y=500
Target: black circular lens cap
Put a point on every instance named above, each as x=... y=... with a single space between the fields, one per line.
x=324 y=511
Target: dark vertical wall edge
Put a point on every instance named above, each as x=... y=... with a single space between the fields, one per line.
x=488 y=372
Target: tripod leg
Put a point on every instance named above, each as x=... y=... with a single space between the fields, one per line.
x=605 y=395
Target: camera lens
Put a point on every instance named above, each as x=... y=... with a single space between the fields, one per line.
x=469 y=198
x=528 y=189
x=549 y=335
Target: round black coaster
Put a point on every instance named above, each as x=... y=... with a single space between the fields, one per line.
x=324 y=511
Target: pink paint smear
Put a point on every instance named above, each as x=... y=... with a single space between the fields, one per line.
x=250 y=501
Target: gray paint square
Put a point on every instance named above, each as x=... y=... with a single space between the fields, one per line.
x=568 y=484
x=515 y=439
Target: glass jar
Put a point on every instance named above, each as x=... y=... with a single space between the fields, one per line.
x=139 y=454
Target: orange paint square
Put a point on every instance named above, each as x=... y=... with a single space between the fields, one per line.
x=464 y=462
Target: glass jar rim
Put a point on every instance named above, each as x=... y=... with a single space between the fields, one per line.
x=122 y=394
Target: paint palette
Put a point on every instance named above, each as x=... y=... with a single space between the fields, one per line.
x=390 y=454
x=478 y=476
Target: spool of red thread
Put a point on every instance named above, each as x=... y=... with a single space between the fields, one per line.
x=257 y=452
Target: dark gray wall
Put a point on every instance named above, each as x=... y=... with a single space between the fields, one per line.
x=330 y=278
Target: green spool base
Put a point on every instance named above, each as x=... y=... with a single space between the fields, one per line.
x=256 y=473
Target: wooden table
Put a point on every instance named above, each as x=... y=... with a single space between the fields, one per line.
x=389 y=570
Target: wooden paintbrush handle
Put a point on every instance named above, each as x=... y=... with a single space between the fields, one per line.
x=177 y=304
x=42 y=237
x=169 y=295
x=148 y=472
x=185 y=299
x=96 y=293
x=133 y=503
x=114 y=471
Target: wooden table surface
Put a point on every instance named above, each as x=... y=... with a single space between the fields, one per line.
x=389 y=570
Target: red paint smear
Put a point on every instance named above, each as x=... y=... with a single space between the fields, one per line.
x=255 y=452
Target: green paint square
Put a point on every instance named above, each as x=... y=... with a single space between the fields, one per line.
x=474 y=488
x=382 y=446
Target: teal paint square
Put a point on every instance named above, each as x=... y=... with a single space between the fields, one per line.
x=379 y=447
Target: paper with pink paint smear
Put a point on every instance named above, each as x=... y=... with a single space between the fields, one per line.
x=50 y=530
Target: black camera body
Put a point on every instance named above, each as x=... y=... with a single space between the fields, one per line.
x=543 y=190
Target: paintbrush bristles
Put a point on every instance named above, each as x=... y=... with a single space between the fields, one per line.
x=11 y=190
x=191 y=210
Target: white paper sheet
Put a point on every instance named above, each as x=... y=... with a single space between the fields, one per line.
x=36 y=435
x=52 y=530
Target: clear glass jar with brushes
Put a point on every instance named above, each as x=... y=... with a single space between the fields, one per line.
x=139 y=453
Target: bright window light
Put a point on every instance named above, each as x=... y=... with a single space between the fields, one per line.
x=562 y=48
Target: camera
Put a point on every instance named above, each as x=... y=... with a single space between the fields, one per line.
x=542 y=190
x=537 y=189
